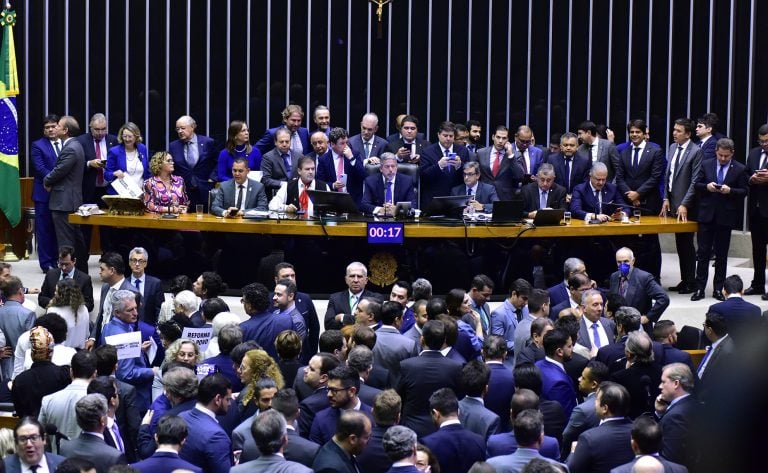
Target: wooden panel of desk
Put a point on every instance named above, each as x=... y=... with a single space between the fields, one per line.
x=422 y=229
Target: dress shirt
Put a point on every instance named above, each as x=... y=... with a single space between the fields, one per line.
x=609 y=419
x=474 y=190
x=450 y=422
x=555 y=362
x=142 y=281
x=673 y=162
x=604 y=340
x=206 y=411
x=676 y=400
x=244 y=190
x=68 y=275
x=42 y=466
x=278 y=202
x=708 y=356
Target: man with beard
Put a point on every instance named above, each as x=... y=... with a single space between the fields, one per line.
x=556 y=384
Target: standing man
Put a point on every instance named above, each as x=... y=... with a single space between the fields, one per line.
x=342 y=167
x=556 y=384
x=29 y=436
x=757 y=170
x=528 y=157
x=343 y=388
x=240 y=194
x=319 y=142
x=66 y=270
x=15 y=319
x=721 y=186
x=441 y=165
x=367 y=144
x=705 y=126
x=279 y=164
x=194 y=159
x=677 y=409
x=381 y=192
x=150 y=287
x=680 y=198
x=284 y=299
x=44 y=154
x=409 y=145
x=294 y=198
x=584 y=416
x=341 y=305
x=322 y=119
x=91 y=413
x=339 y=454
x=498 y=166
x=595 y=330
x=638 y=288
x=597 y=149
x=504 y=318
x=475 y=135
x=65 y=184
x=111 y=270
x=571 y=168
x=392 y=347
x=292 y=115
x=306 y=308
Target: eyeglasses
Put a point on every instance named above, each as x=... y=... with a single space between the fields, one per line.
x=64 y=264
x=470 y=174
x=26 y=438
x=137 y=261
x=336 y=390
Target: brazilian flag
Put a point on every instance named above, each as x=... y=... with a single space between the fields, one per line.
x=10 y=193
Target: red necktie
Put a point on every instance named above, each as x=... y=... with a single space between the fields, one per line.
x=99 y=171
x=496 y=164
x=304 y=199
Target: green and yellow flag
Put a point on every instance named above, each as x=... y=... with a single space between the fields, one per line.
x=10 y=194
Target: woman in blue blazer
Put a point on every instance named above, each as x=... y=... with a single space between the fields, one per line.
x=129 y=158
x=238 y=146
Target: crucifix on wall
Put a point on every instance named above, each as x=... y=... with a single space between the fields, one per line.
x=380 y=11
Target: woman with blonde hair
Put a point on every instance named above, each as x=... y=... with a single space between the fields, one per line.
x=182 y=350
x=256 y=364
x=164 y=192
x=68 y=302
x=129 y=158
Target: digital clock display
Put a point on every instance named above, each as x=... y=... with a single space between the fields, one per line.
x=385 y=232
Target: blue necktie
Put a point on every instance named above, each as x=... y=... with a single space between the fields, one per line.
x=720 y=174
x=636 y=158
x=543 y=200
x=287 y=162
x=703 y=363
x=568 y=174
x=596 y=335
x=388 y=193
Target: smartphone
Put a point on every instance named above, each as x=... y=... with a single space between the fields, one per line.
x=233 y=212
x=343 y=179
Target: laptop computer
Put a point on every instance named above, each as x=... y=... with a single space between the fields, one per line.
x=548 y=217
x=507 y=211
x=446 y=206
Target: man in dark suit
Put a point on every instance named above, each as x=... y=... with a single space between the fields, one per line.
x=597 y=199
x=194 y=159
x=294 y=198
x=715 y=364
x=111 y=271
x=707 y=141
x=401 y=449
x=150 y=287
x=367 y=144
x=338 y=455
x=571 y=168
x=482 y=195
x=91 y=413
x=299 y=449
x=422 y=375
x=455 y=447
x=66 y=270
x=757 y=205
x=721 y=186
x=638 y=288
x=441 y=165
x=65 y=184
x=677 y=408
x=498 y=166
x=280 y=163
x=341 y=305
x=528 y=157
x=341 y=167
x=597 y=149
x=381 y=192
x=740 y=315
x=595 y=330
x=641 y=376
x=501 y=384
x=316 y=377
x=171 y=434
x=30 y=440
x=529 y=434
x=474 y=416
x=608 y=445
x=665 y=332
x=680 y=197
x=292 y=115
x=208 y=445
x=231 y=193
x=556 y=384
x=409 y=144
x=627 y=319
x=559 y=292
x=544 y=194
x=584 y=415
x=343 y=385
x=386 y=414
x=269 y=430
x=44 y=153
x=646 y=443
x=319 y=142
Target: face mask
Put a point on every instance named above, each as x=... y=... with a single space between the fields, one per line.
x=624 y=269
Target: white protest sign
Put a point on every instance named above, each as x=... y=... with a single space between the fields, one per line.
x=128 y=344
x=201 y=336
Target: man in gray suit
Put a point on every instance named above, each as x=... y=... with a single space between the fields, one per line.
x=269 y=430
x=367 y=143
x=473 y=414
x=15 y=319
x=65 y=183
x=91 y=412
x=529 y=432
x=280 y=164
x=391 y=346
x=597 y=149
x=239 y=194
x=680 y=197
x=594 y=329
x=30 y=440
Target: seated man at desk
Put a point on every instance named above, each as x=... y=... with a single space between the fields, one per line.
x=240 y=194
x=482 y=195
x=293 y=197
x=382 y=191
x=597 y=199
x=545 y=194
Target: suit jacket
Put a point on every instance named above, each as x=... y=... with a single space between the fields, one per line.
x=757 y=203
x=437 y=182
x=13 y=463
x=199 y=179
x=583 y=417
x=739 y=314
x=374 y=191
x=391 y=348
x=456 y=448
x=274 y=171
x=272 y=464
x=15 y=319
x=606 y=154
x=374 y=459
x=669 y=467
x=484 y=193
x=96 y=330
x=267 y=142
x=477 y=418
x=608 y=325
x=645 y=179
x=324 y=423
x=721 y=209
x=605 y=447
x=643 y=293
x=152 y=300
x=507 y=181
x=506 y=443
x=354 y=169
x=708 y=148
x=379 y=145
x=66 y=178
x=89 y=176
x=310 y=406
x=536 y=156
x=165 y=462
x=332 y=459
x=642 y=381
x=419 y=377
x=116 y=161
x=683 y=182
x=397 y=142
x=31 y=385
x=515 y=462
x=43 y=162
x=674 y=355
x=556 y=385
x=716 y=366
x=580 y=166
x=128 y=418
x=93 y=448
x=207 y=445
x=677 y=443
x=52 y=278
x=338 y=303
x=501 y=387
x=584 y=202
x=531 y=201
x=558 y=293
x=255 y=198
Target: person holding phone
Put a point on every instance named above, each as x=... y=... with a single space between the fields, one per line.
x=342 y=167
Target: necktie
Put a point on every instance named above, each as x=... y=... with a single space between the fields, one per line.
x=287 y=163
x=763 y=160
x=352 y=303
x=596 y=335
x=519 y=314
x=598 y=202
x=34 y=468
x=64 y=275
x=137 y=283
x=304 y=199
x=189 y=155
x=367 y=149
x=296 y=143
x=704 y=360
x=239 y=201
x=118 y=440
x=496 y=163
x=543 y=200
x=675 y=163
x=589 y=151
x=99 y=171
x=353 y=460
x=340 y=166
x=720 y=174
x=57 y=147
x=388 y=192
x=623 y=286
x=447 y=168
x=469 y=192
x=523 y=163
x=568 y=173
x=636 y=158
x=483 y=319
